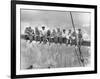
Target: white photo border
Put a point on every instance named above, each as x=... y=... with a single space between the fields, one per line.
x=39 y=71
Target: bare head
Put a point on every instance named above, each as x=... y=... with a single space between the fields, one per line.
x=29 y=27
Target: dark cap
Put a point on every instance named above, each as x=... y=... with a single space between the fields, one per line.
x=79 y=29
x=64 y=30
x=43 y=27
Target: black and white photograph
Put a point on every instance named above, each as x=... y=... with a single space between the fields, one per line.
x=54 y=39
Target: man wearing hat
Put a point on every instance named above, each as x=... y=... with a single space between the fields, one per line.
x=37 y=34
x=69 y=37
x=79 y=37
x=43 y=31
x=29 y=33
x=64 y=35
x=59 y=35
x=74 y=38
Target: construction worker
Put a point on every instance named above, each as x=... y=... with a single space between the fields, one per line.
x=37 y=34
x=74 y=38
x=48 y=35
x=54 y=36
x=69 y=37
x=43 y=31
x=59 y=35
x=29 y=33
x=80 y=37
x=64 y=36
x=26 y=34
x=26 y=31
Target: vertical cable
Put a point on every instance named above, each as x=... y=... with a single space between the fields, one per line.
x=80 y=53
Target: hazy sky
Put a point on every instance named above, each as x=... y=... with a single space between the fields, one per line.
x=54 y=19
